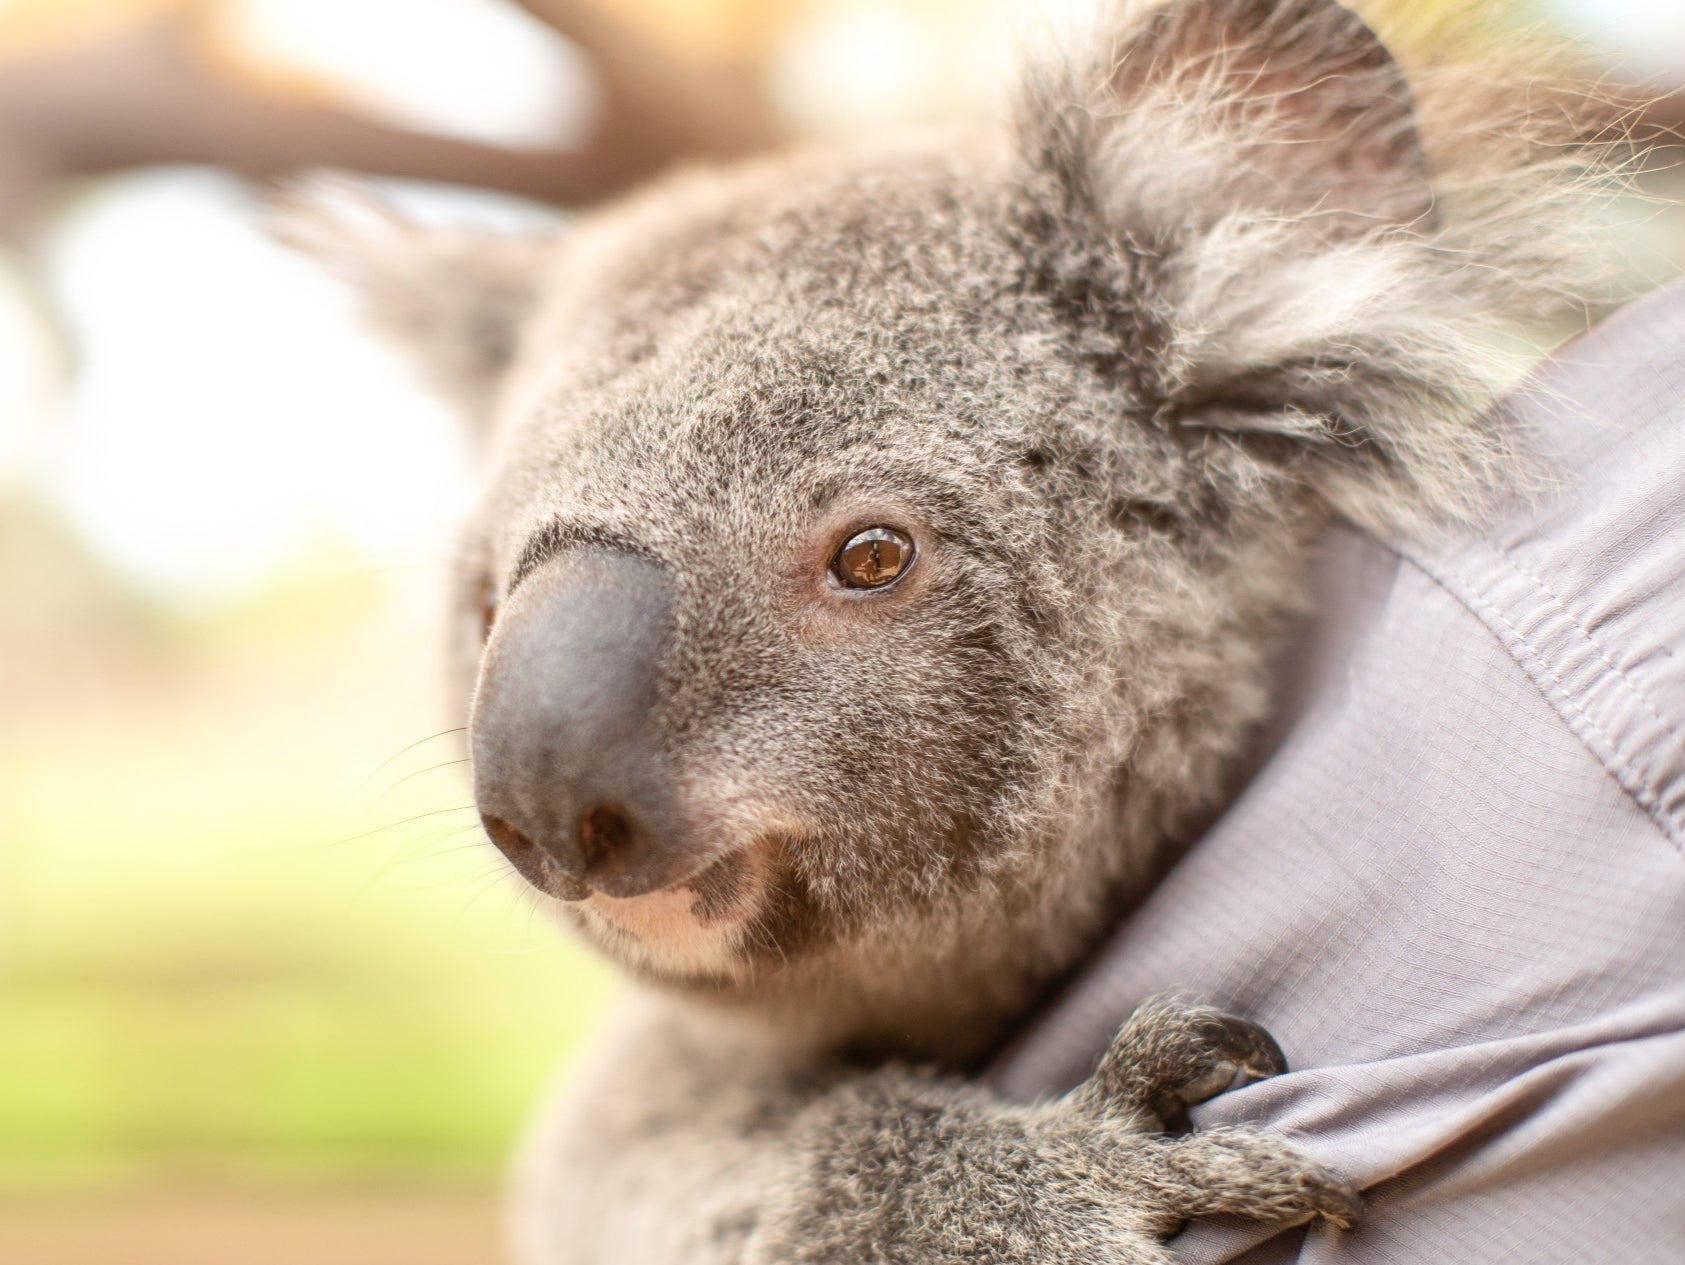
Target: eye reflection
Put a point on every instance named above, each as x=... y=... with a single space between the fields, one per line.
x=873 y=558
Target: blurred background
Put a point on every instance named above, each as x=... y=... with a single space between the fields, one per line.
x=265 y=994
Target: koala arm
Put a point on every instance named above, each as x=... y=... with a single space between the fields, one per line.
x=682 y=1143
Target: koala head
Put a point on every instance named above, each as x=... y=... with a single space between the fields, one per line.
x=881 y=547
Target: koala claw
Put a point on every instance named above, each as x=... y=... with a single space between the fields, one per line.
x=1253 y=1049
x=1236 y=1048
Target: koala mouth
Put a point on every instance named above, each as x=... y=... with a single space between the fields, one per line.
x=719 y=887
x=677 y=906
x=724 y=888
x=692 y=929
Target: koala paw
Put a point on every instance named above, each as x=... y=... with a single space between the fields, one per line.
x=1251 y=1174
x=903 y=1168
x=1169 y=1057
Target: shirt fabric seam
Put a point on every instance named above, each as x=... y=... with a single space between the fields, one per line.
x=1643 y=791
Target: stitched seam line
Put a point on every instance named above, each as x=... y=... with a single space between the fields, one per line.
x=1603 y=656
x=1579 y=721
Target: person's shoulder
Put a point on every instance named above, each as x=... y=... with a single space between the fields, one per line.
x=1585 y=584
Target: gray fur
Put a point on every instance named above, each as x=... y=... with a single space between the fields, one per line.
x=1112 y=368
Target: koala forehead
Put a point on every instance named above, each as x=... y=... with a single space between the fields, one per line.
x=764 y=344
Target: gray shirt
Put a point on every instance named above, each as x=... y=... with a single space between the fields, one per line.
x=1455 y=890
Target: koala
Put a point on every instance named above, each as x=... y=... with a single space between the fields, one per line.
x=881 y=552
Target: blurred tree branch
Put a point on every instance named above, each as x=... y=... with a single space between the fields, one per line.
x=147 y=94
x=150 y=92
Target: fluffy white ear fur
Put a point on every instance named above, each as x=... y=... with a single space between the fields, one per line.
x=454 y=299
x=1334 y=253
x=1286 y=106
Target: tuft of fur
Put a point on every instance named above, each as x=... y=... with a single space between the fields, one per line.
x=1374 y=315
x=1233 y=271
x=464 y=347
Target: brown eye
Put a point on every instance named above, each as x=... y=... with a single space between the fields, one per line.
x=873 y=558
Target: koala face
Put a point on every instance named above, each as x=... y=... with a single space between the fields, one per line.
x=881 y=549
x=767 y=512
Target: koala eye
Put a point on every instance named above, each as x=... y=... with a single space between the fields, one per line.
x=872 y=558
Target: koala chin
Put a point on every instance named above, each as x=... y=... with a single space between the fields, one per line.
x=881 y=552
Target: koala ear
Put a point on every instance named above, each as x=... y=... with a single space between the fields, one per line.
x=1286 y=106
x=1245 y=180
x=453 y=299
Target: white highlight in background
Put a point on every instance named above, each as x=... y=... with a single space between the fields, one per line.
x=476 y=69
x=229 y=416
x=1648 y=35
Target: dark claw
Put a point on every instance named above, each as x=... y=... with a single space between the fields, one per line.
x=1245 y=1044
x=1234 y=1050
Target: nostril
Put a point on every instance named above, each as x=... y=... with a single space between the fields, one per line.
x=511 y=842
x=545 y=871
x=603 y=831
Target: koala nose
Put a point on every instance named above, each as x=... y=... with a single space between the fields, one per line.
x=569 y=775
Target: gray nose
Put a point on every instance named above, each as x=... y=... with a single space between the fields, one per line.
x=569 y=776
